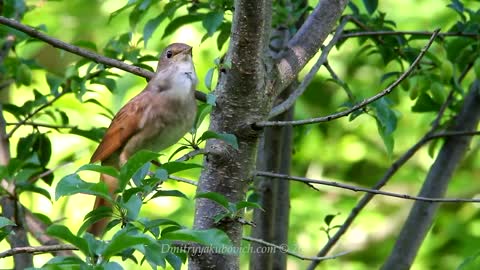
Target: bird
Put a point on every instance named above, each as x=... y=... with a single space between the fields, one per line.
x=155 y=119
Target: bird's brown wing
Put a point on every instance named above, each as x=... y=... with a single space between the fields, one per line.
x=124 y=125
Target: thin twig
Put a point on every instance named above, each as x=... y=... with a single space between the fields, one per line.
x=412 y=33
x=37 y=124
x=38 y=249
x=284 y=248
x=83 y=52
x=363 y=189
x=286 y=104
x=382 y=182
x=360 y=105
x=48 y=172
x=339 y=81
x=181 y=179
x=192 y=154
x=37 y=110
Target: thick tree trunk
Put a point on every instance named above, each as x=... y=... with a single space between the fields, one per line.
x=422 y=214
x=241 y=101
x=245 y=93
x=271 y=222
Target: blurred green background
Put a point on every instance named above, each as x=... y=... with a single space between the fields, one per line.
x=346 y=151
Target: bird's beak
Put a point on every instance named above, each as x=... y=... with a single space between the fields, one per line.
x=188 y=51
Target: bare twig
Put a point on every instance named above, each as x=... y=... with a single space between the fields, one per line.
x=383 y=181
x=47 y=172
x=192 y=154
x=83 y=52
x=363 y=189
x=412 y=33
x=286 y=104
x=339 y=81
x=37 y=124
x=37 y=110
x=362 y=104
x=38 y=249
x=294 y=254
x=183 y=180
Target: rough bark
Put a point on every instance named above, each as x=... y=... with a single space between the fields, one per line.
x=422 y=214
x=245 y=93
x=241 y=101
x=271 y=222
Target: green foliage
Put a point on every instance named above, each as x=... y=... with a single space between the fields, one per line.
x=232 y=209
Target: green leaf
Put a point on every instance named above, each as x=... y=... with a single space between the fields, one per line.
x=425 y=104
x=151 y=26
x=6 y=222
x=212 y=21
x=94 y=216
x=23 y=75
x=133 y=206
x=208 y=78
x=54 y=83
x=33 y=188
x=370 y=5
x=120 y=10
x=178 y=150
x=385 y=115
x=122 y=241
x=64 y=233
x=181 y=21
x=216 y=197
x=94 y=134
x=155 y=254
x=169 y=193
x=228 y=138
x=141 y=174
x=211 y=99
x=175 y=166
x=72 y=184
x=224 y=35
x=471 y=262
x=213 y=238
x=161 y=174
x=133 y=164
x=100 y=169
x=387 y=137
x=202 y=111
x=245 y=204
x=175 y=261
x=61 y=262
x=328 y=219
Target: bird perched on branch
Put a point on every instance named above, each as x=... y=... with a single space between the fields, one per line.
x=153 y=120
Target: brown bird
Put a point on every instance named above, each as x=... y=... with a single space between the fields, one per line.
x=153 y=120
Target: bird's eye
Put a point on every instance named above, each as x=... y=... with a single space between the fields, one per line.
x=169 y=54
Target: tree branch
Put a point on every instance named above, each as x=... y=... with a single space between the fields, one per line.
x=360 y=105
x=284 y=249
x=36 y=250
x=37 y=124
x=37 y=110
x=285 y=105
x=339 y=81
x=363 y=189
x=421 y=215
x=306 y=42
x=386 y=177
x=346 y=34
x=83 y=52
